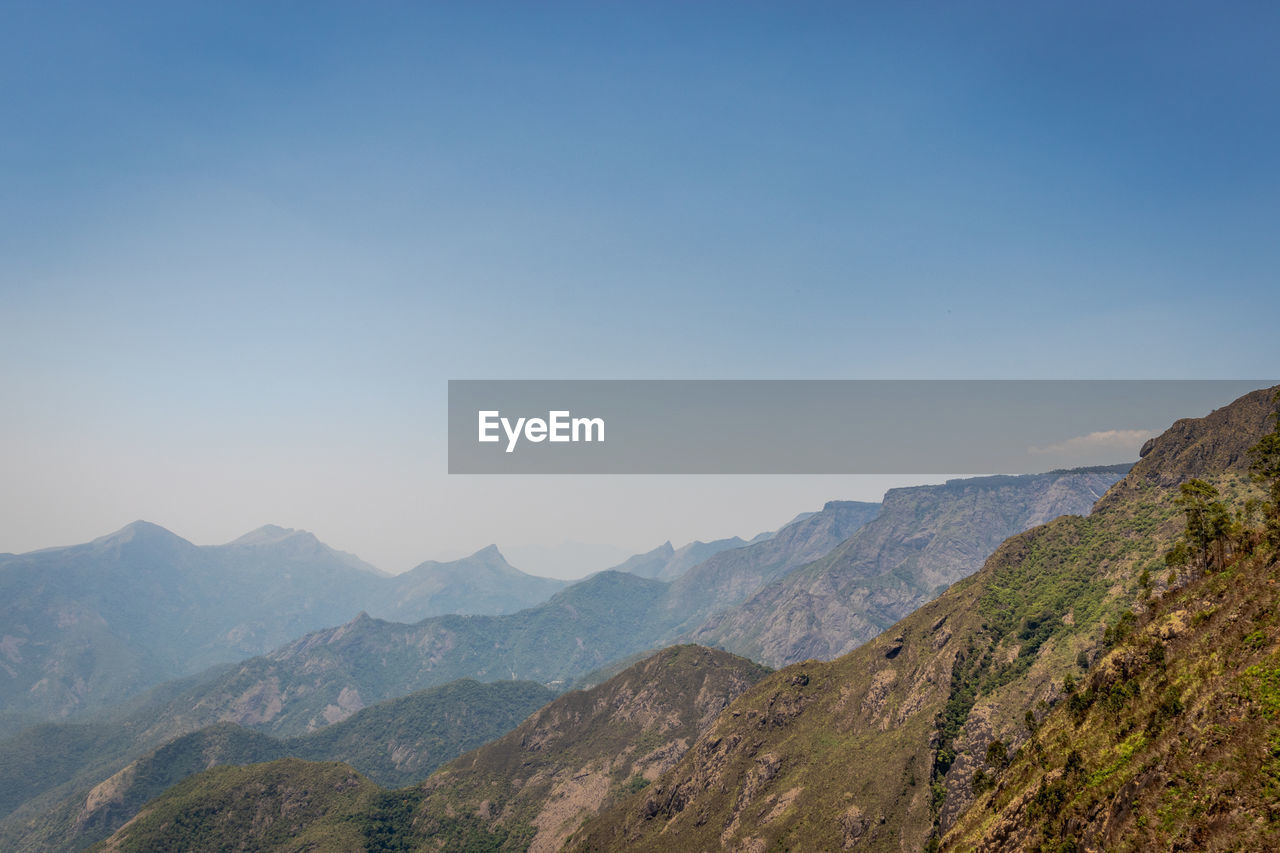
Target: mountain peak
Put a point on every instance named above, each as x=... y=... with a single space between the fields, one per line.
x=138 y=531
x=490 y=554
x=270 y=534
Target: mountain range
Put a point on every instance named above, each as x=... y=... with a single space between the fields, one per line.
x=1077 y=687
x=328 y=675
x=90 y=625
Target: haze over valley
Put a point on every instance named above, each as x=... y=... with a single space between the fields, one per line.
x=644 y=426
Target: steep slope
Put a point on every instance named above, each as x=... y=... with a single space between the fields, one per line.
x=924 y=539
x=393 y=743
x=878 y=750
x=90 y=625
x=1171 y=741
x=527 y=790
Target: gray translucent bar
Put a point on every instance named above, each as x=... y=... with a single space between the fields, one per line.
x=816 y=426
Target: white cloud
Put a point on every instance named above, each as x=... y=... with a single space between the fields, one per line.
x=1110 y=439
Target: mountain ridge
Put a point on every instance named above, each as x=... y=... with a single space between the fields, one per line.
x=923 y=539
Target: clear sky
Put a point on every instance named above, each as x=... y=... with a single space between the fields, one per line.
x=244 y=245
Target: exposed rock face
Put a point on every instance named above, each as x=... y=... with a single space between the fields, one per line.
x=924 y=539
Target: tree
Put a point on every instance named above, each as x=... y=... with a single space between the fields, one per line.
x=997 y=754
x=1265 y=467
x=1209 y=522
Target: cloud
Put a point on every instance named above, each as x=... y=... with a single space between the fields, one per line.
x=1129 y=440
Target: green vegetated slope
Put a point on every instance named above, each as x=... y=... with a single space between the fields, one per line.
x=1171 y=741
x=393 y=743
x=90 y=625
x=879 y=749
x=924 y=539
x=259 y=807
x=532 y=786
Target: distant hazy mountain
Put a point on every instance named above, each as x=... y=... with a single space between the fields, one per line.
x=666 y=562
x=924 y=539
x=482 y=583
x=394 y=743
x=729 y=577
x=89 y=625
x=326 y=675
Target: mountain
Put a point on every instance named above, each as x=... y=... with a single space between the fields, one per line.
x=393 y=743
x=880 y=749
x=924 y=539
x=87 y=626
x=528 y=789
x=561 y=765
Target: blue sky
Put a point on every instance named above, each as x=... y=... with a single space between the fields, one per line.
x=242 y=246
